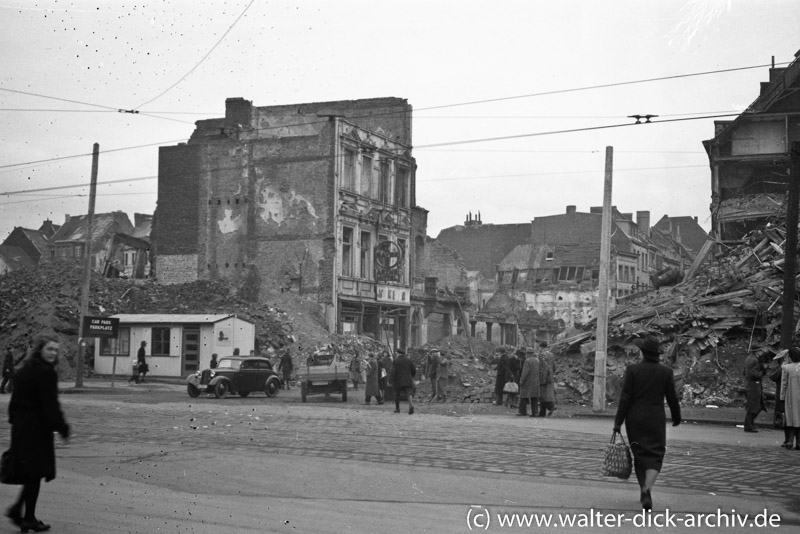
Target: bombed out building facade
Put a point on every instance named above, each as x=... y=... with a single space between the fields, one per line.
x=317 y=198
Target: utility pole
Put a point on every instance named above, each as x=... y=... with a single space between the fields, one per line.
x=599 y=391
x=87 y=269
x=790 y=265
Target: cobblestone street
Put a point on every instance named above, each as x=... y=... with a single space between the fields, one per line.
x=175 y=442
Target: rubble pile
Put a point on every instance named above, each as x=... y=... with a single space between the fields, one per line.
x=707 y=324
x=46 y=298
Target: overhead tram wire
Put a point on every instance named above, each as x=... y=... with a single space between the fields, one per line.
x=168 y=89
x=417 y=110
x=571 y=130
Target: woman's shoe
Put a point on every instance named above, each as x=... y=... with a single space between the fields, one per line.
x=786 y=445
x=646 y=500
x=34 y=525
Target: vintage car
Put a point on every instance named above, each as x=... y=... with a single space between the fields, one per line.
x=240 y=375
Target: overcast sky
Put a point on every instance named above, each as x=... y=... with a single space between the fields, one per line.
x=166 y=59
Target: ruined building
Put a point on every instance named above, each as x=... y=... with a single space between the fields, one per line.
x=316 y=198
x=749 y=156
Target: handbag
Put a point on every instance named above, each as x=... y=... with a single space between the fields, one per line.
x=511 y=387
x=7 y=471
x=617 y=462
x=780 y=420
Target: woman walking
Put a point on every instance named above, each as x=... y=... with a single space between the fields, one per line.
x=790 y=394
x=641 y=407
x=34 y=413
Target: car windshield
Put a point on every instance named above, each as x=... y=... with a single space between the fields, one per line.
x=225 y=363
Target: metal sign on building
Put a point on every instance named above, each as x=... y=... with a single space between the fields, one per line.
x=100 y=327
x=388 y=261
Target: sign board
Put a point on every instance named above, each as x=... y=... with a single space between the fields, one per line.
x=398 y=295
x=100 y=327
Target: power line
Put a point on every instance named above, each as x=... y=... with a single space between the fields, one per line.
x=572 y=130
x=201 y=61
x=601 y=86
x=61 y=158
x=597 y=151
x=72 y=186
x=57 y=98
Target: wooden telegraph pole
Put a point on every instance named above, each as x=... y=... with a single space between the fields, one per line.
x=87 y=269
x=599 y=392
x=790 y=265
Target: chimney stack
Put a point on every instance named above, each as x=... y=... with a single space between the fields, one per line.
x=571 y=209
x=643 y=222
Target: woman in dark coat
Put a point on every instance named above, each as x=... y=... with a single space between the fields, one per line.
x=371 y=386
x=34 y=414
x=641 y=407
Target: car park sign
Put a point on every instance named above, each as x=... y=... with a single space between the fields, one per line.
x=100 y=327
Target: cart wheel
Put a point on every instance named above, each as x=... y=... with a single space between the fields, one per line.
x=303 y=392
x=273 y=385
x=193 y=391
x=221 y=390
x=344 y=391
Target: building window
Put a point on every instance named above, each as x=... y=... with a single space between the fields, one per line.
x=386 y=189
x=548 y=256
x=347 y=251
x=366 y=255
x=349 y=181
x=160 y=341
x=366 y=176
x=401 y=187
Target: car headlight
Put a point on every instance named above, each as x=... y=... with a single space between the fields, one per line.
x=211 y=374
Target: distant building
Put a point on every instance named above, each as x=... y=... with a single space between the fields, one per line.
x=481 y=245
x=684 y=230
x=13 y=259
x=69 y=242
x=34 y=243
x=749 y=157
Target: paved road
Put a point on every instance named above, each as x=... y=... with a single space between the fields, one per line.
x=189 y=462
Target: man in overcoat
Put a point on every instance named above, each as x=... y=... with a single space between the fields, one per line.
x=402 y=379
x=501 y=365
x=431 y=371
x=529 y=388
x=753 y=373
x=547 y=381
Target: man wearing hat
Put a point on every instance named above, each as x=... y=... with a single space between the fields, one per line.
x=753 y=374
x=431 y=371
x=529 y=388
x=402 y=379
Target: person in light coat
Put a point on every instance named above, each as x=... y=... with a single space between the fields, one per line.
x=790 y=394
x=529 y=388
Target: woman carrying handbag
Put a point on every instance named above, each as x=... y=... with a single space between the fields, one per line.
x=641 y=408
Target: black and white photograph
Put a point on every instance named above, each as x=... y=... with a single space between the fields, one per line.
x=314 y=266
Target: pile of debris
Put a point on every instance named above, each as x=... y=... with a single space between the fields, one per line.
x=728 y=305
x=46 y=298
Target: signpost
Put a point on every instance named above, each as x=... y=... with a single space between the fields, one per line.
x=103 y=327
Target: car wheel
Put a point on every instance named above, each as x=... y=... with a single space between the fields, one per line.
x=244 y=393
x=303 y=392
x=193 y=391
x=221 y=389
x=344 y=391
x=272 y=387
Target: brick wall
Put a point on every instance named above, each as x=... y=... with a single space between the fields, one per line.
x=443 y=263
x=175 y=222
x=177 y=268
